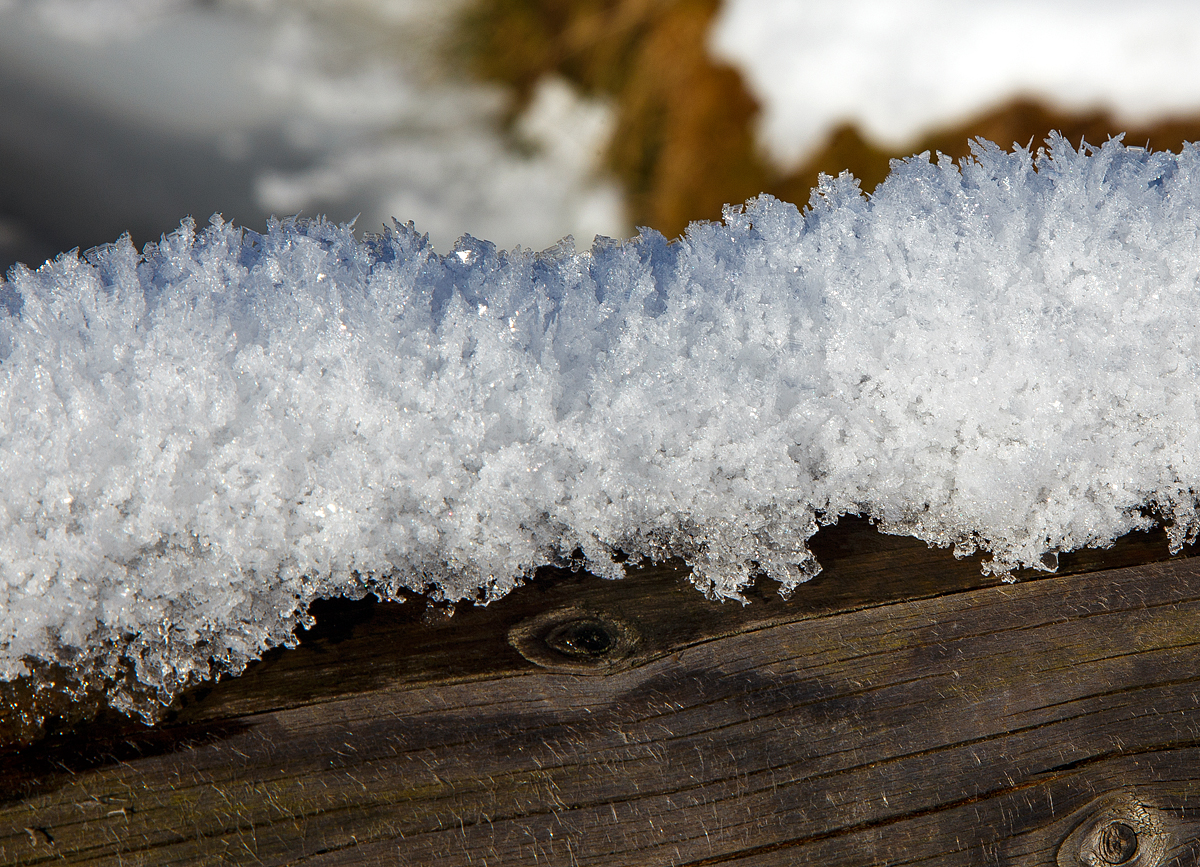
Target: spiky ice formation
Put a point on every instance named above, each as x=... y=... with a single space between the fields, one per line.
x=197 y=440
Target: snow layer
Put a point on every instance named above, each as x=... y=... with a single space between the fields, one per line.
x=899 y=69
x=198 y=440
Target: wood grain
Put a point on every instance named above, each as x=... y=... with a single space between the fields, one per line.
x=967 y=725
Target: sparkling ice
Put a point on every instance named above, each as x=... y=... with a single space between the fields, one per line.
x=199 y=439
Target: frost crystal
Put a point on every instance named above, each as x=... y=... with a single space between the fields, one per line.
x=198 y=440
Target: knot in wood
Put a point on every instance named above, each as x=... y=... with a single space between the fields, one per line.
x=1116 y=844
x=1117 y=831
x=585 y=638
x=576 y=640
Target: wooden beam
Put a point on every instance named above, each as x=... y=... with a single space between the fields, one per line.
x=634 y=723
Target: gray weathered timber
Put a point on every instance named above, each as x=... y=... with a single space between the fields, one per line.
x=1045 y=722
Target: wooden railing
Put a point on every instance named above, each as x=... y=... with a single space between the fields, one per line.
x=899 y=709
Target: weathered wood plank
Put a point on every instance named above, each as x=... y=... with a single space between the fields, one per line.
x=977 y=726
x=410 y=644
x=361 y=646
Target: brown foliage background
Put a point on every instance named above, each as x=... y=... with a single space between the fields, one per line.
x=684 y=142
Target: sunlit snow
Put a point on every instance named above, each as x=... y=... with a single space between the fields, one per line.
x=197 y=440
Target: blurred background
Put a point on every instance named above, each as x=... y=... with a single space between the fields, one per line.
x=522 y=121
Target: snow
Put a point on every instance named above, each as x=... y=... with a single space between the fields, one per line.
x=197 y=440
x=901 y=69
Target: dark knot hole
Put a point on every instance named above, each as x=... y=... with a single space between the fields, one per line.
x=1118 y=843
x=577 y=641
x=586 y=638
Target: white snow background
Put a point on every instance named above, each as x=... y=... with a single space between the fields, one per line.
x=345 y=107
x=198 y=440
x=333 y=106
x=899 y=69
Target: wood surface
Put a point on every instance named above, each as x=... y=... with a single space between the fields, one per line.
x=899 y=709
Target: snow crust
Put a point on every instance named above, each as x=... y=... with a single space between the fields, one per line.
x=197 y=440
x=901 y=69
